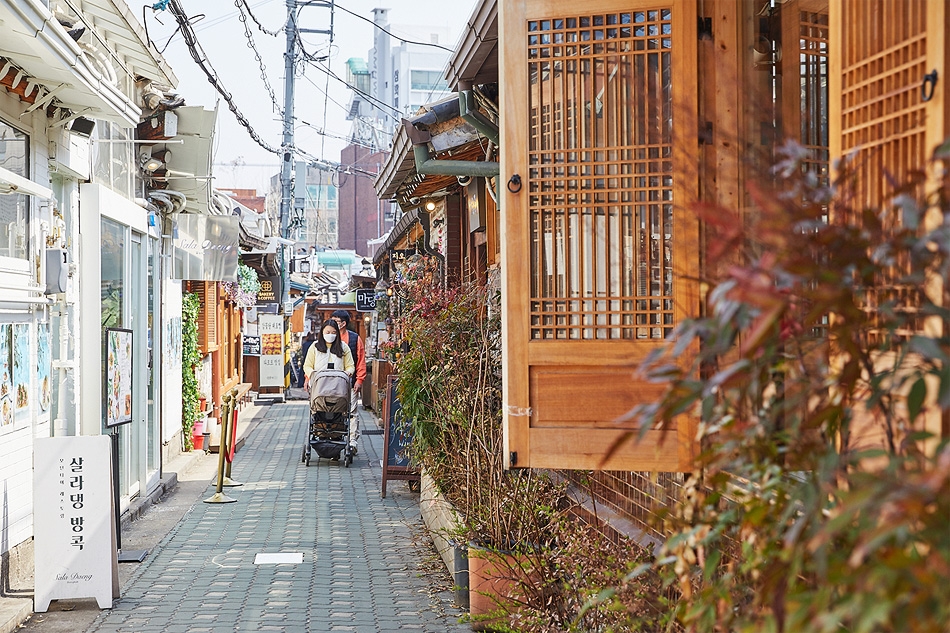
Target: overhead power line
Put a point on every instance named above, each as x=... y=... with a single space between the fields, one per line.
x=198 y=54
x=257 y=54
x=404 y=41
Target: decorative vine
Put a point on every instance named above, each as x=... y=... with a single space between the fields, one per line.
x=190 y=357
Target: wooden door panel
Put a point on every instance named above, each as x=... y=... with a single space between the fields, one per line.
x=598 y=398
x=600 y=247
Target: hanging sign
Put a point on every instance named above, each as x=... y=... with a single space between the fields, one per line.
x=74 y=546
x=365 y=299
x=271 y=330
x=206 y=246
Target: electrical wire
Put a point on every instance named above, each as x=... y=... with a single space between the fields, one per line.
x=247 y=8
x=198 y=54
x=257 y=56
x=365 y=19
x=372 y=99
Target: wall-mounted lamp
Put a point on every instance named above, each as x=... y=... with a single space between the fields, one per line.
x=150 y=164
x=430 y=206
x=82 y=126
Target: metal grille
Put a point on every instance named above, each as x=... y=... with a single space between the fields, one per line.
x=600 y=181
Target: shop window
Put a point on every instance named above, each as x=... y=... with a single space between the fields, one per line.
x=112 y=266
x=113 y=157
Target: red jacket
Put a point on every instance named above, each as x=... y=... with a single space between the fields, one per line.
x=360 y=359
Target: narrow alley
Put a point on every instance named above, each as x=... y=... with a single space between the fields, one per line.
x=364 y=564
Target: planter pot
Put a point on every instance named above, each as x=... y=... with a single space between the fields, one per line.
x=197 y=435
x=443 y=521
x=494 y=580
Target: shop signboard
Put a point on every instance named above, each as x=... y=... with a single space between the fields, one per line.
x=365 y=299
x=271 y=329
x=74 y=539
x=206 y=247
x=270 y=291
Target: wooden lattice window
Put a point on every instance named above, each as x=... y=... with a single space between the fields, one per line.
x=207 y=292
x=813 y=83
x=884 y=124
x=600 y=176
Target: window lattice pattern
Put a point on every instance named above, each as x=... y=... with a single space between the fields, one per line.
x=600 y=181
x=884 y=62
x=813 y=60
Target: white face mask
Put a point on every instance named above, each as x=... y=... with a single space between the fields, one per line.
x=329 y=338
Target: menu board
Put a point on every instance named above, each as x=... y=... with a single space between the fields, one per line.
x=271 y=330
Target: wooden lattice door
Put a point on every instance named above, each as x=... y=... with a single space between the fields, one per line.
x=889 y=110
x=600 y=248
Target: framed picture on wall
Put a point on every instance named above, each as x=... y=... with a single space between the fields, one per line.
x=118 y=357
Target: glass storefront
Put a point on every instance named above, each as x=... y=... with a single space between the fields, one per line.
x=128 y=272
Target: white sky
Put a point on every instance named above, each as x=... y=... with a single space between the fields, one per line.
x=239 y=161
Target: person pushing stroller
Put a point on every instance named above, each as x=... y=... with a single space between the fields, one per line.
x=328 y=352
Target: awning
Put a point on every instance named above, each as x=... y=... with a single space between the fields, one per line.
x=13 y=183
x=116 y=22
x=452 y=139
x=399 y=231
x=51 y=61
x=189 y=166
x=475 y=60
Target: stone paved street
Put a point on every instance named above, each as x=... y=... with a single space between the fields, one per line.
x=367 y=566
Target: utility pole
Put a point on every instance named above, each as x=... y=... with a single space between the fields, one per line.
x=286 y=147
x=287 y=143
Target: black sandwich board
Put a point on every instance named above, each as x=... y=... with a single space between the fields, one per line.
x=395 y=440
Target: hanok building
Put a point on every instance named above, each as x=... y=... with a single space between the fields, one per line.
x=614 y=118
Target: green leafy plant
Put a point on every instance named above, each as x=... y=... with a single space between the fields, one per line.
x=822 y=494
x=190 y=357
x=450 y=391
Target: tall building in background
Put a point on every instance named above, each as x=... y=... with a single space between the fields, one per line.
x=402 y=74
x=362 y=216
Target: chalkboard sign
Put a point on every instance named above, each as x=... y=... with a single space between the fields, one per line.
x=395 y=439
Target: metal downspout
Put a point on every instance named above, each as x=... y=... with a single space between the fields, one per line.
x=470 y=114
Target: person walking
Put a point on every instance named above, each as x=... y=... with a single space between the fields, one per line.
x=352 y=340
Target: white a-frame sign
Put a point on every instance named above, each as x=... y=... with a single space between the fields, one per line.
x=74 y=526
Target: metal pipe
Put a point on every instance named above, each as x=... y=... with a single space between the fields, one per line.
x=468 y=110
x=427 y=165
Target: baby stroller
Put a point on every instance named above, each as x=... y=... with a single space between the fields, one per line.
x=329 y=432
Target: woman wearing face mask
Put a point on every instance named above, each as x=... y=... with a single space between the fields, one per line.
x=325 y=350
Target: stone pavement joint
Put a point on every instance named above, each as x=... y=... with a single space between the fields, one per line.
x=363 y=563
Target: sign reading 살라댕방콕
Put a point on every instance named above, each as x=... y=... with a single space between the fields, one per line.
x=73 y=528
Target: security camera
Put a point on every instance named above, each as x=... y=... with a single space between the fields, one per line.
x=464 y=181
